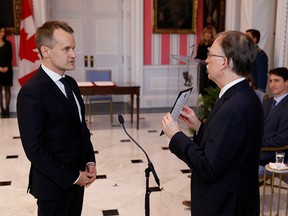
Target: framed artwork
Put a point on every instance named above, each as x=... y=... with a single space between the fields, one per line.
x=175 y=16
x=214 y=14
x=10 y=15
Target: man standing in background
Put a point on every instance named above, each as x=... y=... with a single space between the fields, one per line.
x=260 y=68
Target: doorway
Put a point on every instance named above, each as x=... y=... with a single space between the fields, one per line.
x=98 y=30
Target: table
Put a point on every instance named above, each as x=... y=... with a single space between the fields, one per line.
x=119 y=88
x=280 y=173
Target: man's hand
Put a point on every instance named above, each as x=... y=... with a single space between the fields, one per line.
x=91 y=169
x=169 y=126
x=189 y=117
x=88 y=176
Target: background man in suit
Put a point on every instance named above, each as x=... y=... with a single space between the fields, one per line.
x=53 y=131
x=260 y=68
x=224 y=154
x=276 y=115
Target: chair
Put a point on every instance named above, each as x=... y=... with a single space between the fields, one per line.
x=270 y=148
x=99 y=75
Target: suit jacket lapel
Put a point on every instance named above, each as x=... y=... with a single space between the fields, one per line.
x=50 y=86
x=221 y=101
x=211 y=114
x=76 y=91
x=217 y=105
x=268 y=110
x=269 y=113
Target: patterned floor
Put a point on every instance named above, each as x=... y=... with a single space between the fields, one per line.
x=121 y=182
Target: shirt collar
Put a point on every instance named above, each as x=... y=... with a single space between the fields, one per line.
x=54 y=76
x=278 y=99
x=229 y=85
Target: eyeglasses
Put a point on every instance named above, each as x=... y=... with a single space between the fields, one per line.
x=210 y=54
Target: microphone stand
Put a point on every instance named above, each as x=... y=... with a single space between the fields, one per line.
x=193 y=49
x=147 y=193
x=149 y=169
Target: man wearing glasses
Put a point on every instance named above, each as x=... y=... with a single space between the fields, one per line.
x=224 y=152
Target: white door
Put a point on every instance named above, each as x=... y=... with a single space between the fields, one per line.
x=98 y=31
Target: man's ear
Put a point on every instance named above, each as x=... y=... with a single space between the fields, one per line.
x=225 y=63
x=254 y=40
x=286 y=83
x=44 y=51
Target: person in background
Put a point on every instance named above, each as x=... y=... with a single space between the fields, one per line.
x=224 y=153
x=207 y=36
x=260 y=68
x=6 y=72
x=276 y=116
x=52 y=126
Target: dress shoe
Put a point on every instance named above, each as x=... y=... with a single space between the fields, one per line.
x=2 y=111
x=5 y=113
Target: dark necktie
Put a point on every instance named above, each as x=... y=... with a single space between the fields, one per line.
x=273 y=104
x=69 y=93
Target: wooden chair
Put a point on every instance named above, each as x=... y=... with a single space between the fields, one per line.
x=272 y=148
x=94 y=76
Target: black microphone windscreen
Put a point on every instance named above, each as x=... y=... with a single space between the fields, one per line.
x=120 y=119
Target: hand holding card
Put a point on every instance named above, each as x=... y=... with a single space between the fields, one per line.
x=179 y=104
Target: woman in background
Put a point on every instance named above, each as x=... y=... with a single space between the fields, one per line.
x=207 y=37
x=6 y=72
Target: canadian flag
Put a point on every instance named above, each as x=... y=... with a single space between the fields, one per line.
x=29 y=57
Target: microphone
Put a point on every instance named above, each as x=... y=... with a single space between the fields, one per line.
x=193 y=49
x=121 y=121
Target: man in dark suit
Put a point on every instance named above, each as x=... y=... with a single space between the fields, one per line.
x=276 y=115
x=224 y=154
x=260 y=68
x=53 y=131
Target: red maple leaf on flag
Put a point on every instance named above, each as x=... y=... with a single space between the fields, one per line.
x=26 y=52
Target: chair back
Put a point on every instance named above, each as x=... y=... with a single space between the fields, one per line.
x=99 y=75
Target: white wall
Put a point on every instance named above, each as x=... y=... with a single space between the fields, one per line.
x=281 y=35
x=260 y=14
x=240 y=15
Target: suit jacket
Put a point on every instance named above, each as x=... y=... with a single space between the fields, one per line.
x=54 y=140
x=224 y=155
x=275 y=128
x=260 y=70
